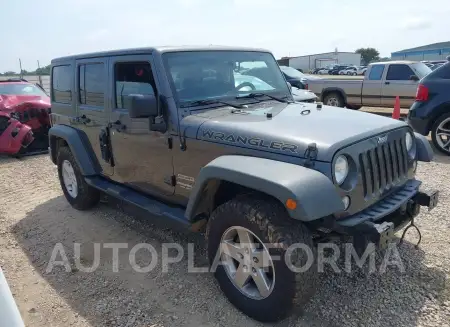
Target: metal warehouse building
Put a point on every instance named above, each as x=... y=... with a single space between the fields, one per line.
x=435 y=51
x=306 y=63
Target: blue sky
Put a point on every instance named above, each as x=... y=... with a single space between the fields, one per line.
x=43 y=29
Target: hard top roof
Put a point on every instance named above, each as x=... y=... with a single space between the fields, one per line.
x=161 y=49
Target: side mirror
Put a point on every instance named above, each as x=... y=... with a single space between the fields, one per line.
x=414 y=78
x=141 y=106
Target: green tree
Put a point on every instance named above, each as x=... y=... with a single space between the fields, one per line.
x=368 y=55
x=9 y=73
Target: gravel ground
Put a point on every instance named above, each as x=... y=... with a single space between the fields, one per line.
x=34 y=216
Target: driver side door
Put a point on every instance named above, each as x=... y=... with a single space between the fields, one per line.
x=142 y=158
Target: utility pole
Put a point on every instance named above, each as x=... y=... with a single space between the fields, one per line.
x=39 y=73
x=20 y=64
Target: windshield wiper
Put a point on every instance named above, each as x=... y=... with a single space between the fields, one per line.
x=260 y=94
x=210 y=101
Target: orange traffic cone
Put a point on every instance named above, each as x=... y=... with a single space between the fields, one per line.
x=396 y=112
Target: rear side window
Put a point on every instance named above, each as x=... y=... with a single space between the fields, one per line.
x=376 y=72
x=399 y=73
x=92 y=82
x=62 y=77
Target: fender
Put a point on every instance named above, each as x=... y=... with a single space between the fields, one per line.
x=333 y=89
x=315 y=194
x=424 y=152
x=79 y=146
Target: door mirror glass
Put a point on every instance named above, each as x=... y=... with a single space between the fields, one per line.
x=141 y=106
x=414 y=78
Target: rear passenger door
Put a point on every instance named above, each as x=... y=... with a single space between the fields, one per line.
x=92 y=105
x=398 y=83
x=371 y=90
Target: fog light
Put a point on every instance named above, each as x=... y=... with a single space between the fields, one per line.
x=346 y=202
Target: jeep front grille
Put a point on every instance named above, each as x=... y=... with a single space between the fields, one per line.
x=384 y=166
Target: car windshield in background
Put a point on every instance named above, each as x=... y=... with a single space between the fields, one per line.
x=204 y=75
x=421 y=69
x=20 y=89
x=292 y=72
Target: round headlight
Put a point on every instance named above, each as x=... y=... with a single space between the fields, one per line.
x=340 y=169
x=409 y=142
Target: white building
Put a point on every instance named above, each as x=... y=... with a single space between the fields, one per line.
x=306 y=63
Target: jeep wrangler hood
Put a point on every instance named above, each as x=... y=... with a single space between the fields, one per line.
x=290 y=128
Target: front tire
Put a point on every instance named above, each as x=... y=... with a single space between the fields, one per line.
x=440 y=134
x=251 y=227
x=77 y=192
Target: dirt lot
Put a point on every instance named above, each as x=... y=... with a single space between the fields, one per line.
x=34 y=216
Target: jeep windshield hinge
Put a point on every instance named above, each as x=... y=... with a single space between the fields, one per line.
x=310 y=155
x=170 y=180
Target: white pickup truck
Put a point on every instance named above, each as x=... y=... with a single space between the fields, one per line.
x=382 y=82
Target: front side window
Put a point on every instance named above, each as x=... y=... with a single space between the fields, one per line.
x=376 y=72
x=132 y=78
x=92 y=83
x=398 y=72
x=62 y=77
x=204 y=75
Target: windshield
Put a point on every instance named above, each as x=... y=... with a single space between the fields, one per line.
x=421 y=69
x=20 y=89
x=292 y=72
x=204 y=75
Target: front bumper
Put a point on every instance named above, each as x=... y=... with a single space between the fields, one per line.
x=378 y=223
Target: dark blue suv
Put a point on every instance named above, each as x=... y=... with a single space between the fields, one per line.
x=431 y=110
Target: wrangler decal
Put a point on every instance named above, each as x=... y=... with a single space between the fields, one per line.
x=245 y=140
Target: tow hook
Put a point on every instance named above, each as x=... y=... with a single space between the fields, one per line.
x=412 y=209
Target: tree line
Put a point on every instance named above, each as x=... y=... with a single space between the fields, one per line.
x=369 y=55
x=40 y=71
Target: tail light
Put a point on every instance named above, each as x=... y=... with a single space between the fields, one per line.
x=422 y=93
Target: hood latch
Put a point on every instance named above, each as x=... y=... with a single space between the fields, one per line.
x=310 y=155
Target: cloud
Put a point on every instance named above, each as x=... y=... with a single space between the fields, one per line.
x=416 y=23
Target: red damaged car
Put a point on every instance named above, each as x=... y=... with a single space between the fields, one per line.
x=24 y=118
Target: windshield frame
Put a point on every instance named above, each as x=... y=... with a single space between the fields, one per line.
x=282 y=93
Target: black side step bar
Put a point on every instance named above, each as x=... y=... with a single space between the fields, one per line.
x=159 y=210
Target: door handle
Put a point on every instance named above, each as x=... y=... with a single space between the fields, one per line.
x=387 y=83
x=83 y=119
x=118 y=126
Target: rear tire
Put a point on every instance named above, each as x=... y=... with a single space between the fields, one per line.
x=441 y=125
x=334 y=99
x=267 y=223
x=77 y=192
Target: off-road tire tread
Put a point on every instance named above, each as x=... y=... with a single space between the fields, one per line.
x=279 y=229
x=87 y=197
